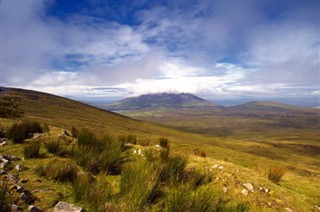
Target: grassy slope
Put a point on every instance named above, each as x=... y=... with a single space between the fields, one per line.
x=247 y=160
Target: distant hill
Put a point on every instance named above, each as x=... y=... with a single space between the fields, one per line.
x=162 y=100
x=267 y=105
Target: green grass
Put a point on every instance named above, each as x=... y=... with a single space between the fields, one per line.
x=276 y=174
x=32 y=150
x=4 y=198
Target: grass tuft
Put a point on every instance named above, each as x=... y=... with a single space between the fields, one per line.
x=32 y=150
x=173 y=170
x=18 y=132
x=4 y=198
x=164 y=142
x=62 y=171
x=200 y=153
x=275 y=174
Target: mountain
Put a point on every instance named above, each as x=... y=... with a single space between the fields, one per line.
x=161 y=100
x=267 y=105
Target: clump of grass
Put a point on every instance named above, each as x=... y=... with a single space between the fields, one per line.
x=99 y=155
x=18 y=132
x=164 y=154
x=132 y=139
x=145 y=142
x=184 y=199
x=45 y=127
x=138 y=185
x=173 y=170
x=74 y=132
x=53 y=146
x=32 y=150
x=149 y=155
x=200 y=153
x=275 y=174
x=240 y=207
x=4 y=198
x=2 y=132
x=62 y=171
x=94 y=193
x=195 y=178
x=164 y=142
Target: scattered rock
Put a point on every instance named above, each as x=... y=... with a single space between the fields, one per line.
x=288 y=210
x=249 y=186
x=14 y=207
x=2 y=172
x=225 y=189
x=19 y=168
x=269 y=204
x=20 y=189
x=317 y=207
x=134 y=151
x=220 y=167
x=25 y=197
x=158 y=146
x=11 y=178
x=3 y=139
x=36 y=135
x=244 y=192
x=216 y=166
x=66 y=207
x=279 y=202
x=23 y=180
x=34 y=209
x=139 y=152
x=3 y=143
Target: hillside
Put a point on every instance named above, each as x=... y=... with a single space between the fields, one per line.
x=268 y=106
x=224 y=170
x=158 y=101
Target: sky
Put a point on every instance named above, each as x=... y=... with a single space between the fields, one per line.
x=115 y=49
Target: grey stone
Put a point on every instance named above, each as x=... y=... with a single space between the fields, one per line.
x=249 y=186
x=19 y=168
x=14 y=207
x=66 y=207
x=245 y=192
x=288 y=210
x=34 y=209
x=25 y=197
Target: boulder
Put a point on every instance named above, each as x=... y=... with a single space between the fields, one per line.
x=27 y=198
x=67 y=207
x=19 y=168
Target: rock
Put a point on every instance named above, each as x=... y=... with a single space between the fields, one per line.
x=215 y=166
x=25 y=197
x=3 y=143
x=244 y=192
x=279 y=202
x=66 y=207
x=2 y=172
x=225 y=189
x=249 y=186
x=23 y=180
x=158 y=146
x=288 y=210
x=139 y=152
x=19 y=168
x=317 y=207
x=14 y=207
x=266 y=190
x=20 y=189
x=220 y=167
x=3 y=139
x=269 y=204
x=11 y=178
x=36 y=135
x=34 y=209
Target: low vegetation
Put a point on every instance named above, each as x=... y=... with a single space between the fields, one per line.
x=275 y=174
x=58 y=170
x=4 y=198
x=32 y=150
x=18 y=132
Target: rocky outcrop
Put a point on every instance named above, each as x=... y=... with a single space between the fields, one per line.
x=67 y=207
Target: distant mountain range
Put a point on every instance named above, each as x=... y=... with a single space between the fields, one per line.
x=161 y=100
x=186 y=100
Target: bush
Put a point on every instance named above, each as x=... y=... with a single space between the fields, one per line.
x=275 y=174
x=4 y=198
x=31 y=150
x=138 y=185
x=173 y=170
x=164 y=142
x=20 y=131
x=200 y=153
x=94 y=193
x=62 y=171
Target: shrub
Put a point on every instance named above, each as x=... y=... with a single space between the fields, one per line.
x=200 y=153
x=4 y=198
x=62 y=171
x=94 y=193
x=32 y=150
x=138 y=185
x=275 y=174
x=164 y=142
x=20 y=131
x=173 y=170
